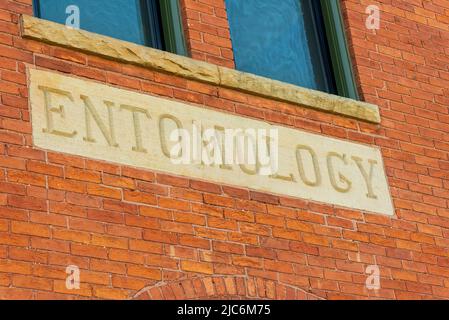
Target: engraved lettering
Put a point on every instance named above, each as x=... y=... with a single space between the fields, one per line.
x=163 y=134
x=80 y=117
x=246 y=148
x=367 y=177
x=91 y=112
x=212 y=153
x=60 y=110
x=220 y=135
x=316 y=168
x=137 y=127
x=343 y=180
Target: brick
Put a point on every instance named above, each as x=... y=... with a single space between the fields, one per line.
x=174 y=204
x=186 y=194
x=195 y=242
x=107 y=266
x=26 y=178
x=143 y=222
x=263 y=197
x=286 y=234
x=208 y=210
x=83 y=200
x=139 y=197
x=155 y=213
x=109 y=242
x=120 y=182
x=152 y=188
x=88 y=251
x=243 y=238
x=176 y=227
x=144 y=272
x=15 y=267
x=30 y=229
x=125 y=256
x=71 y=235
x=205 y=186
x=12 y=188
x=116 y=205
x=128 y=283
x=219 y=223
x=28 y=255
x=84 y=291
x=102 y=191
x=96 y=278
x=47 y=244
x=270 y=220
x=82 y=175
x=67 y=185
x=105 y=216
x=160 y=236
x=239 y=215
x=110 y=293
x=256 y=229
x=251 y=206
x=173 y=181
x=219 y=200
x=188 y=217
x=145 y=246
x=24 y=152
x=124 y=231
x=67 y=209
x=197 y=267
x=138 y=174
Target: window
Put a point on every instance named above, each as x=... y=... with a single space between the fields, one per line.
x=154 y=23
x=296 y=41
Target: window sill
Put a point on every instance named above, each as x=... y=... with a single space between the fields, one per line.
x=57 y=34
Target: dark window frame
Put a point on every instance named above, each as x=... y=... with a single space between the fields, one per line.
x=324 y=23
x=314 y=22
x=161 y=20
x=326 y=18
x=338 y=49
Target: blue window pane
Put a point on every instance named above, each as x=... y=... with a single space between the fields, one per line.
x=120 y=19
x=275 y=39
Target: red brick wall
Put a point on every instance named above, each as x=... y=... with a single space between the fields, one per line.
x=142 y=234
x=207 y=31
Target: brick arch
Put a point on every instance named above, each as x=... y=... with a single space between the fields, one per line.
x=223 y=288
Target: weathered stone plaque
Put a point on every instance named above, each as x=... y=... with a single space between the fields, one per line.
x=89 y=119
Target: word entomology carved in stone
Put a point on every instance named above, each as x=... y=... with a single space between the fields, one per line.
x=93 y=120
